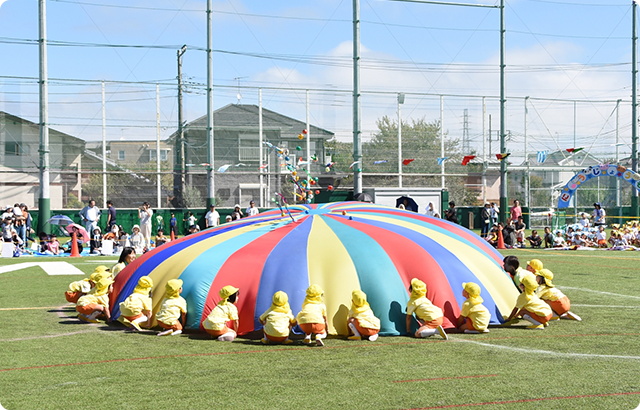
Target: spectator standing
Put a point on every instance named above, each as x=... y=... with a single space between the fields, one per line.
x=430 y=210
x=111 y=218
x=145 y=213
x=20 y=222
x=516 y=211
x=598 y=215
x=237 y=212
x=212 y=218
x=451 y=214
x=485 y=216
x=90 y=216
x=252 y=210
x=495 y=213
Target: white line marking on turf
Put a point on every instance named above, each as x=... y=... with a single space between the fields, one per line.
x=45 y=337
x=550 y=353
x=600 y=292
x=606 y=306
x=51 y=268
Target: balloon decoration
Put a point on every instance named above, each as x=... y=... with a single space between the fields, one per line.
x=341 y=247
x=611 y=170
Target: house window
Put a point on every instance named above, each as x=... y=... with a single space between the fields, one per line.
x=12 y=148
x=163 y=155
x=120 y=155
x=248 y=148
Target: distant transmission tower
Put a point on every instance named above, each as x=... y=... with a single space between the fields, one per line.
x=466 y=144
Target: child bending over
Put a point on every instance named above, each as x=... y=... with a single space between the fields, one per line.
x=172 y=309
x=429 y=316
x=474 y=316
x=362 y=322
x=558 y=301
x=313 y=315
x=225 y=311
x=278 y=320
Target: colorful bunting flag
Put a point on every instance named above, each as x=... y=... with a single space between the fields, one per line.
x=574 y=150
x=223 y=168
x=441 y=160
x=384 y=161
x=502 y=156
x=351 y=166
x=408 y=161
x=542 y=156
x=467 y=158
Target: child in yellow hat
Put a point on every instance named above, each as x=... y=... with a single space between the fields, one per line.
x=429 y=316
x=362 y=322
x=136 y=308
x=558 y=301
x=474 y=316
x=173 y=308
x=313 y=315
x=225 y=311
x=530 y=306
x=277 y=320
x=94 y=304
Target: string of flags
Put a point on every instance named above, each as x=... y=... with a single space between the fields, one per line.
x=441 y=160
x=574 y=150
x=502 y=156
x=408 y=161
x=542 y=156
x=467 y=158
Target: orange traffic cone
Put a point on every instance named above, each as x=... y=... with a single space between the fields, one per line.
x=74 y=247
x=173 y=235
x=501 y=240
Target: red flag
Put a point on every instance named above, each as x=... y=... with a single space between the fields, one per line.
x=408 y=161
x=467 y=158
x=573 y=150
x=502 y=156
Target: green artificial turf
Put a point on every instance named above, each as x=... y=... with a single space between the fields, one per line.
x=49 y=360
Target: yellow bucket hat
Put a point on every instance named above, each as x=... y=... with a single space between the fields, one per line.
x=314 y=295
x=529 y=282
x=548 y=276
x=102 y=286
x=418 y=288
x=536 y=264
x=145 y=283
x=99 y=272
x=472 y=289
x=173 y=288
x=280 y=302
x=227 y=291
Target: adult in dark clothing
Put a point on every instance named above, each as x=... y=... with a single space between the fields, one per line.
x=509 y=233
x=485 y=216
x=451 y=214
x=111 y=218
x=548 y=238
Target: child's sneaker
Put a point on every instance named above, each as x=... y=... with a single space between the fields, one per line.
x=373 y=338
x=573 y=316
x=136 y=326
x=264 y=341
x=471 y=332
x=355 y=338
x=319 y=342
x=176 y=333
x=536 y=327
x=307 y=340
x=287 y=342
x=166 y=332
x=546 y=324
x=554 y=317
x=442 y=333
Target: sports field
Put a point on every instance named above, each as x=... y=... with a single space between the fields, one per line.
x=49 y=360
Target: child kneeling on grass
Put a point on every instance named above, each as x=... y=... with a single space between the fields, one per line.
x=313 y=316
x=80 y=288
x=474 y=316
x=173 y=307
x=225 y=311
x=136 y=308
x=94 y=304
x=429 y=316
x=362 y=322
x=558 y=301
x=277 y=320
x=531 y=307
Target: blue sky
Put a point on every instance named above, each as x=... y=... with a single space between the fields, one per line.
x=565 y=49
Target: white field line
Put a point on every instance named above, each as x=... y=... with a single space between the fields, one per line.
x=606 y=306
x=550 y=353
x=600 y=292
x=45 y=337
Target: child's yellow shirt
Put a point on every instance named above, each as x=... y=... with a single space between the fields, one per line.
x=135 y=304
x=552 y=294
x=424 y=309
x=533 y=304
x=312 y=313
x=366 y=319
x=478 y=313
x=277 y=323
x=171 y=310
x=220 y=315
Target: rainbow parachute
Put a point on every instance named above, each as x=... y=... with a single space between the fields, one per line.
x=341 y=247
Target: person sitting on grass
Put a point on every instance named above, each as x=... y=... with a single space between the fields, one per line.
x=225 y=311
x=429 y=316
x=558 y=241
x=95 y=304
x=136 y=308
x=601 y=237
x=96 y=240
x=312 y=318
x=160 y=238
x=558 y=301
x=362 y=322
x=548 y=238
x=474 y=316
x=80 y=288
x=513 y=268
x=277 y=320
x=534 y=239
x=172 y=309
x=137 y=240
x=53 y=246
x=530 y=306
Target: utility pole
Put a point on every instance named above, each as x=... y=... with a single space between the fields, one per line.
x=357 y=141
x=400 y=102
x=44 y=202
x=634 y=105
x=179 y=178
x=104 y=149
x=158 y=175
x=211 y=188
x=503 y=147
x=618 y=150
